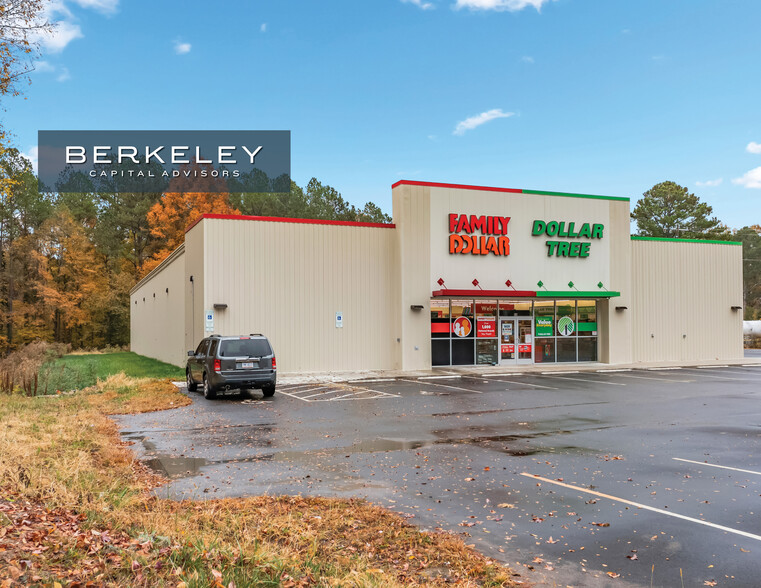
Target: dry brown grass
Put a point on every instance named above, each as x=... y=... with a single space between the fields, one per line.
x=63 y=456
x=19 y=370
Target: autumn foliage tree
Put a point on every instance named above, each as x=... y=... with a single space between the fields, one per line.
x=185 y=200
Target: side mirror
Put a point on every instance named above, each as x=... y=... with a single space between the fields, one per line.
x=191 y=353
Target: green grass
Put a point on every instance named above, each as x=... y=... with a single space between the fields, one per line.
x=74 y=372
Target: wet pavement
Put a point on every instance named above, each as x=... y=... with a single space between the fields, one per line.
x=582 y=479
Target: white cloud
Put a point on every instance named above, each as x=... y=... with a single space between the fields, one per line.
x=752 y=179
x=64 y=75
x=472 y=122
x=102 y=6
x=754 y=148
x=500 y=5
x=420 y=4
x=43 y=67
x=31 y=155
x=527 y=59
x=710 y=183
x=182 y=48
x=64 y=33
x=263 y=28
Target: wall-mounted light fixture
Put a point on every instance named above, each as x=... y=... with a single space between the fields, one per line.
x=167 y=290
x=416 y=307
x=621 y=308
x=736 y=308
x=220 y=306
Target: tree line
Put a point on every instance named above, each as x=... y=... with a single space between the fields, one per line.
x=670 y=210
x=69 y=256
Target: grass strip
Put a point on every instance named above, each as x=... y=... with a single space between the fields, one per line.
x=81 y=370
x=75 y=507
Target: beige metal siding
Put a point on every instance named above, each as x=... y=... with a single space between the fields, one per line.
x=682 y=294
x=288 y=280
x=194 y=304
x=157 y=317
x=412 y=214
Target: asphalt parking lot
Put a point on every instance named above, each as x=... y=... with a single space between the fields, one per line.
x=606 y=478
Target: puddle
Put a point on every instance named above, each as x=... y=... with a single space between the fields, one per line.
x=174 y=467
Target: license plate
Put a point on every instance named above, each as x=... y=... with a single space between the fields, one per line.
x=246 y=365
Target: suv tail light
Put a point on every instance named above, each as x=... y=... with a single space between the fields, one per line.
x=217 y=365
x=274 y=363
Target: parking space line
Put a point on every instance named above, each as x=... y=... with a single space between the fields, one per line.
x=652 y=378
x=561 y=372
x=321 y=393
x=713 y=465
x=662 y=369
x=444 y=386
x=644 y=506
x=755 y=365
x=370 y=381
x=440 y=377
x=526 y=384
x=292 y=396
x=705 y=375
x=584 y=380
x=710 y=367
x=297 y=392
x=509 y=375
x=610 y=371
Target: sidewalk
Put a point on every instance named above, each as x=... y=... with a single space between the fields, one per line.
x=324 y=377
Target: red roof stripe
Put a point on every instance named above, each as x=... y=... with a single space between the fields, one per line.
x=459 y=186
x=486 y=293
x=277 y=219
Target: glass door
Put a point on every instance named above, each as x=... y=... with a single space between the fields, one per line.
x=525 y=343
x=507 y=351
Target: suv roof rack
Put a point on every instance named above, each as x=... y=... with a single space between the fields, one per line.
x=255 y=335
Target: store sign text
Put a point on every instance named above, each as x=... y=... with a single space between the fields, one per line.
x=568 y=231
x=492 y=239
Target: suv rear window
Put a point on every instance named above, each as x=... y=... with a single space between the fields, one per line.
x=244 y=348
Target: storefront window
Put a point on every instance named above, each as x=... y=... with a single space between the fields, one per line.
x=463 y=333
x=440 y=325
x=545 y=350
x=566 y=349
x=514 y=308
x=486 y=319
x=587 y=348
x=587 y=323
x=565 y=317
x=440 y=352
x=544 y=319
x=486 y=352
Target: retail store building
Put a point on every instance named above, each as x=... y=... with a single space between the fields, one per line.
x=465 y=275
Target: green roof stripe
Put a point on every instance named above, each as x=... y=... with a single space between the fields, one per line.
x=571 y=195
x=576 y=294
x=671 y=239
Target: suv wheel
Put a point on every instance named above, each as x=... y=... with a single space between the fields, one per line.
x=192 y=386
x=208 y=391
x=268 y=390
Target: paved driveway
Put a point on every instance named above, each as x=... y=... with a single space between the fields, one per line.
x=607 y=478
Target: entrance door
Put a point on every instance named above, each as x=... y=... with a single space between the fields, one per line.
x=525 y=342
x=516 y=341
x=507 y=351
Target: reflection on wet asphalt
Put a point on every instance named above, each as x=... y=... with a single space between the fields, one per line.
x=450 y=454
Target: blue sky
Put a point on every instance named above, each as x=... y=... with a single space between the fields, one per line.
x=591 y=96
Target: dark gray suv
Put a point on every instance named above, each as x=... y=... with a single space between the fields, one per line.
x=229 y=363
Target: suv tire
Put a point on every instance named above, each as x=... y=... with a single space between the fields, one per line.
x=208 y=392
x=268 y=391
x=192 y=386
